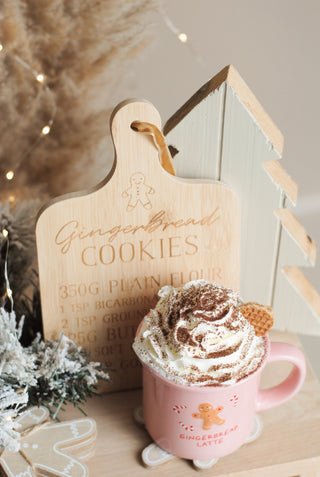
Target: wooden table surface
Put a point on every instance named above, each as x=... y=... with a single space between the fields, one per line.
x=288 y=447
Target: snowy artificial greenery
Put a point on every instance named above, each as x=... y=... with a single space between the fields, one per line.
x=63 y=374
x=50 y=374
x=11 y=403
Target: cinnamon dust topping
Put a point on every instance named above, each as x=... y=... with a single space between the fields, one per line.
x=197 y=335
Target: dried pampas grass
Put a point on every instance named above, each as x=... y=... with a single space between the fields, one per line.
x=84 y=48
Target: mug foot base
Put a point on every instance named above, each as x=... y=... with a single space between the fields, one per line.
x=153 y=455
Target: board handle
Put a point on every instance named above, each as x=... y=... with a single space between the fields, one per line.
x=132 y=148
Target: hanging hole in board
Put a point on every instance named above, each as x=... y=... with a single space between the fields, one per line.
x=173 y=150
x=159 y=141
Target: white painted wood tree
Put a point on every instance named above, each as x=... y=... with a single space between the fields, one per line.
x=223 y=133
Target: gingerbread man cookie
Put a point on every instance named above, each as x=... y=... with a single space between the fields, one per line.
x=138 y=192
x=52 y=449
x=209 y=416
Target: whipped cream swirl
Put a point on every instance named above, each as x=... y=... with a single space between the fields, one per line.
x=196 y=335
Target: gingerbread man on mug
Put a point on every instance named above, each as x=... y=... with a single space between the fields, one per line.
x=209 y=415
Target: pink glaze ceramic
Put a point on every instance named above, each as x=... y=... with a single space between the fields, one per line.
x=207 y=422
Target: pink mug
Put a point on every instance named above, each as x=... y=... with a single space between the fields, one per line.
x=206 y=422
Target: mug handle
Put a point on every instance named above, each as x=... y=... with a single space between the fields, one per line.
x=284 y=391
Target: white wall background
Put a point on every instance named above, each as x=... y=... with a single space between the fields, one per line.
x=274 y=45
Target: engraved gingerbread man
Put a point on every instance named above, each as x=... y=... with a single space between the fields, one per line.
x=209 y=416
x=138 y=192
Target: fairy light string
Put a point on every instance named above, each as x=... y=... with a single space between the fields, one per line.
x=183 y=37
x=8 y=293
x=40 y=78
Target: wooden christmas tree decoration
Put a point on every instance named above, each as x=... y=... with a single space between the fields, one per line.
x=50 y=449
x=104 y=255
x=234 y=140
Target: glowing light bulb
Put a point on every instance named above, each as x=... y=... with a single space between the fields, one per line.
x=5 y=233
x=183 y=37
x=45 y=130
x=11 y=198
x=10 y=175
x=1 y=46
x=9 y=292
x=40 y=78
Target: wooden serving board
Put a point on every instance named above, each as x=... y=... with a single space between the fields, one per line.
x=103 y=254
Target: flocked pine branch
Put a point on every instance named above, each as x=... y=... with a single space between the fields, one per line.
x=51 y=374
x=17 y=364
x=11 y=402
x=17 y=369
x=63 y=374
